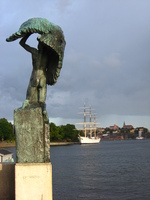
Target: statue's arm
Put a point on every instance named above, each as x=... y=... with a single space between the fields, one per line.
x=25 y=46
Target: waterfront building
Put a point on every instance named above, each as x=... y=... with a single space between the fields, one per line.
x=5 y=156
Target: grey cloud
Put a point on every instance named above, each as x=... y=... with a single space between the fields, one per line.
x=106 y=62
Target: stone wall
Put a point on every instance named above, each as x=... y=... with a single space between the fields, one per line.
x=7 y=181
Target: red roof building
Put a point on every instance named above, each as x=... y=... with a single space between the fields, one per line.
x=114 y=127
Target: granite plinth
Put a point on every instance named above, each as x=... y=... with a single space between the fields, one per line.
x=32 y=136
x=33 y=181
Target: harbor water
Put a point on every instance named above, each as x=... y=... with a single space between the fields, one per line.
x=111 y=170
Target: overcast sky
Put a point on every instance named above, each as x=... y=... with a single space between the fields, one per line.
x=106 y=62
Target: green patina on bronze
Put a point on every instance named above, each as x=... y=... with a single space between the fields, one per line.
x=31 y=123
x=47 y=59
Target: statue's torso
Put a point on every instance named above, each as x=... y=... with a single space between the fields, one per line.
x=38 y=76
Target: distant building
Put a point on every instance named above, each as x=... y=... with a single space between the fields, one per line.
x=114 y=127
x=100 y=130
x=132 y=130
x=6 y=156
x=127 y=127
x=105 y=136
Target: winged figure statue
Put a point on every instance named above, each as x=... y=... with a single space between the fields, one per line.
x=47 y=59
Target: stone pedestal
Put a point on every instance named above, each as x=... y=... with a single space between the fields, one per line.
x=32 y=135
x=33 y=181
x=33 y=170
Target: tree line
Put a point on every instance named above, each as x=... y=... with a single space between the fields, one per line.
x=6 y=130
x=66 y=133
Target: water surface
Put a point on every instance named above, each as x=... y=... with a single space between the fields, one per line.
x=111 y=170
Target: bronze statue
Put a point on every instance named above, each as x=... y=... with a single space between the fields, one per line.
x=46 y=60
x=31 y=122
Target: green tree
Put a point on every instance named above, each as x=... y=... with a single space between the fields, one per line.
x=69 y=132
x=6 y=130
x=54 y=132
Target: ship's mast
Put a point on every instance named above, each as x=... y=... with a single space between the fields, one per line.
x=90 y=122
x=84 y=120
x=94 y=125
x=87 y=111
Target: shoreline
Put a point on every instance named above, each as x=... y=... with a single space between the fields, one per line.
x=13 y=144
x=7 y=144
x=62 y=143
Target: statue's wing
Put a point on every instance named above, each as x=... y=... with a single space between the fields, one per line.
x=53 y=71
x=52 y=37
x=56 y=45
x=33 y=25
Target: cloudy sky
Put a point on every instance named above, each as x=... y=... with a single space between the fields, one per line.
x=106 y=63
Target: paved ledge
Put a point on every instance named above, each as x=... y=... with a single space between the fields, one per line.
x=62 y=143
x=9 y=144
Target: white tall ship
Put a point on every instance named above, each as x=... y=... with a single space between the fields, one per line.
x=140 y=136
x=88 y=127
